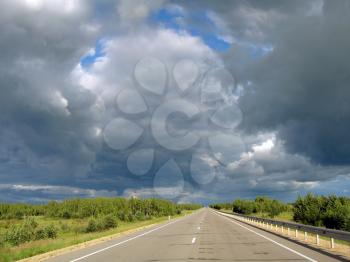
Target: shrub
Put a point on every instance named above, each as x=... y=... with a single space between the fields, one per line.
x=243 y=206
x=19 y=234
x=102 y=223
x=51 y=231
x=28 y=231
x=30 y=223
x=109 y=222
x=308 y=210
x=66 y=215
x=40 y=234
x=275 y=208
x=92 y=226
x=130 y=217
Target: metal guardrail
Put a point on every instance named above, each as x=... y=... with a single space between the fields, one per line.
x=318 y=231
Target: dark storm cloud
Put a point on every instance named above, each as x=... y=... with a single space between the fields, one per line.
x=302 y=87
x=44 y=126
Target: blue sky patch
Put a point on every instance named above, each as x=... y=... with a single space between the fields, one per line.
x=99 y=52
x=202 y=26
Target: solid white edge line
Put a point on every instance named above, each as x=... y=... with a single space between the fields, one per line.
x=273 y=241
x=127 y=240
x=193 y=240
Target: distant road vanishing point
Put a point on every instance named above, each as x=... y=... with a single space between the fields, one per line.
x=203 y=236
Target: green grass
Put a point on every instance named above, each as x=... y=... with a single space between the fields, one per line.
x=284 y=216
x=71 y=236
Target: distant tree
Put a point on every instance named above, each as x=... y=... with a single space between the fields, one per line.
x=245 y=207
x=308 y=210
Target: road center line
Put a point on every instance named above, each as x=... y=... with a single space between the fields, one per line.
x=193 y=240
x=129 y=239
x=273 y=241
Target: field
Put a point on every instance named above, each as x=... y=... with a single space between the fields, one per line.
x=28 y=230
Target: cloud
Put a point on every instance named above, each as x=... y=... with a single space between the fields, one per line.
x=267 y=167
x=290 y=69
x=41 y=193
x=305 y=77
x=47 y=122
x=136 y=10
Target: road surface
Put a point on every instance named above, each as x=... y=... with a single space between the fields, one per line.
x=202 y=236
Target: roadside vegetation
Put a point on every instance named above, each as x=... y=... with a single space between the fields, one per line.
x=27 y=230
x=324 y=211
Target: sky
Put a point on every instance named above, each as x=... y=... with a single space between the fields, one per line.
x=192 y=101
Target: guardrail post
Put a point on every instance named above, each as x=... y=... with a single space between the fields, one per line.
x=288 y=231
x=332 y=242
x=317 y=239
x=305 y=236
x=282 y=229
x=276 y=228
x=296 y=233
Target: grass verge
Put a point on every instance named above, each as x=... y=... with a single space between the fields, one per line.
x=66 y=239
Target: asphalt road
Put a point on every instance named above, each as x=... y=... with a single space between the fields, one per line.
x=202 y=236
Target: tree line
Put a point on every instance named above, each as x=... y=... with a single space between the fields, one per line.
x=260 y=204
x=325 y=211
x=123 y=209
x=328 y=211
